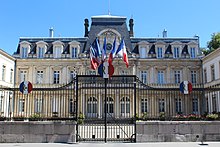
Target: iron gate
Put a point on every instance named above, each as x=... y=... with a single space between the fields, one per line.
x=106 y=108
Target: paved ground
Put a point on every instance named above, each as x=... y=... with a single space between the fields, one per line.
x=163 y=144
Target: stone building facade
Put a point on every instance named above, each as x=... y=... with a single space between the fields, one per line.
x=158 y=62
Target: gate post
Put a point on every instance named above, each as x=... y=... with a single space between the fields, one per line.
x=135 y=110
x=77 y=107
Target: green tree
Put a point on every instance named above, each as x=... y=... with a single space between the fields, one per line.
x=213 y=44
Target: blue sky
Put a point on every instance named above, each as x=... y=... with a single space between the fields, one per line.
x=181 y=18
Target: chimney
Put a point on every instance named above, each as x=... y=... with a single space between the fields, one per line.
x=51 y=32
x=86 y=24
x=131 y=25
x=164 y=33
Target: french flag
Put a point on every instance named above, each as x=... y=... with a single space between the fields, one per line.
x=112 y=53
x=94 y=58
x=104 y=50
x=122 y=52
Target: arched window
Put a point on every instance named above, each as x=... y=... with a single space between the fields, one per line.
x=110 y=107
x=92 y=107
x=125 y=106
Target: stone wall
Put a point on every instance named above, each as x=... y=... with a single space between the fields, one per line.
x=40 y=132
x=178 y=131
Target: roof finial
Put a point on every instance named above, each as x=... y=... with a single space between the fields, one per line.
x=109 y=7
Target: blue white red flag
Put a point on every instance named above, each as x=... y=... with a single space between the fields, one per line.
x=112 y=53
x=122 y=52
x=94 y=59
x=97 y=48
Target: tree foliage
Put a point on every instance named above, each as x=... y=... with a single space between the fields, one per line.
x=213 y=44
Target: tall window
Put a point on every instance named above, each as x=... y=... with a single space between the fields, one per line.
x=55 y=105
x=3 y=72
x=24 y=52
x=74 y=52
x=38 y=105
x=56 y=75
x=178 y=102
x=92 y=107
x=23 y=75
x=11 y=75
x=125 y=106
x=212 y=72
x=177 y=76
x=159 y=52
x=57 y=52
x=21 y=105
x=160 y=77
x=110 y=107
x=214 y=103
x=143 y=105
x=176 y=52
x=40 y=75
x=144 y=76
x=72 y=106
x=193 y=76
x=192 y=52
x=161 y=105
x=41 y=52
x=195 y=105
x=205 y=75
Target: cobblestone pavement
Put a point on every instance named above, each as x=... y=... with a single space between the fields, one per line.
x=161 y=144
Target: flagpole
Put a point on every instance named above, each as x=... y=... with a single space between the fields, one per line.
x=106 y=80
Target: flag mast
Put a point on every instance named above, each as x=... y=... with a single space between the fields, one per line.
x=109 y=7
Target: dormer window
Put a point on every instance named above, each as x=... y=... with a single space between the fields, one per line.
x=41 y=52
x=159 y=52
x=57 y=49
x=41 y=49
x=24 y=52
x=74 y=49
x=192 y=52
x=176 y=52
x=143 y=48
x=24 y=49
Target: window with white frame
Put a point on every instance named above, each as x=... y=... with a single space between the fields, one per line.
x=161 y=105
x=21 y=105
x=193 y=76
x=38 y=105
x=110 y=106
x=24 y=52
x=159 y=52
x=212 y=72
x=56 y=75
x=195 y=105
x=192 y=52
x=177 y=76
x=40 y=76
x=143 y=75
x=176 y=52
x=41 y=52
x=3 y=72
x=23 y=75
x=142 y=52
x=144 y=106
x=125 y=106
x=92 y=107
x=55 y=105
x=178 y=105
x=160 y=77
x=74 y=52
x=11 y=75
x=57 y=52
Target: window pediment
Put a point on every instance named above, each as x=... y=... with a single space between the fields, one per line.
x=176 y=43
x=74 y=43
x=25 y=43
x=143 y=43
x=192 y=43
x=58 y=43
